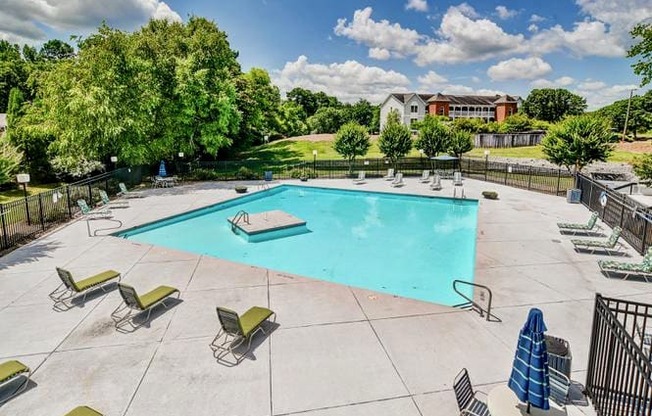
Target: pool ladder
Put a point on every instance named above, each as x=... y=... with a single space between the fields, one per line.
x=485 y=294
x=243 y=216
x=462 y=195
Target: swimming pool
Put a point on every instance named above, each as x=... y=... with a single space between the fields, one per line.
x=406 y=245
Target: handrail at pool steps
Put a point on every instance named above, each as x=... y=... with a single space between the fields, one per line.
x=470 y=303
x=241 y=215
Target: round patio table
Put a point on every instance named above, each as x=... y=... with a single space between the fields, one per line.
x=502 y=401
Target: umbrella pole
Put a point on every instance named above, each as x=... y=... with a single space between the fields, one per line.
x=528 y=407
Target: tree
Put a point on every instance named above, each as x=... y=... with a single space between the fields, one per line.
x=326 y=120
x=311 y=102
x=642 y=50
x=12 y=72
x=55 y=49
x=578 y=141
x=459 y=143
x=10 y=159
x=552 y=105
x=516 y=123
x=395 y=140
x=433 y=136
x=258 y=102
x=362 y=112
x=352 y=140
x=643 y=167
x=640 y=114
x=291 y=119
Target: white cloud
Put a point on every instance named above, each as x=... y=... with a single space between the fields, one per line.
x=379 y=53
x=535 y=18
x=517 y=68
x=504 y=13
x=431 y=81
x=22 y=19
x=598 y=94
x=557 y=83
x=348 y=81
x=591 y=85
x=588 y=38
x=620 y=15
x=533 y=28
x=418 y=5
x=476 y=80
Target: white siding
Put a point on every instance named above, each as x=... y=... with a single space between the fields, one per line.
x=409 y=115
x=390 y=104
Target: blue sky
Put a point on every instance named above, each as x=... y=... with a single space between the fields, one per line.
x=365 y=49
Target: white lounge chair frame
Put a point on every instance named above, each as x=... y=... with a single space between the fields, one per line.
x=361 y=178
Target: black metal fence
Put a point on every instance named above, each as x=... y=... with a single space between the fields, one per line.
x=619 y=375
x=620 y=210
x=26 y=218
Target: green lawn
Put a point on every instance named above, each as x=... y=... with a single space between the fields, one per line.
x=14 y=194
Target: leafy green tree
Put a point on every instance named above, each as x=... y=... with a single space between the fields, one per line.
x=552 y=105
x=15 y=107
x=326 y=120
x=291 y=119
x=362 y=112
x=516 y=123
x=643 y=167
x=433 y=136
x=12 y=72
x=29 y=53
x=395 y=140
x=459 y=143
x=472 y=125
x=375 y=120
x=640 y=114
x=55 y=49
x=643 y=50
x=578 y=141
x=258 y=102
x=10 y=159
x=310 y=101
x=352 y=140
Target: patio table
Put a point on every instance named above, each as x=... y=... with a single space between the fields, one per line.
x=502 y=401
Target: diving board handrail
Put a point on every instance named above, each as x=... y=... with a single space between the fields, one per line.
x=241 y=215
x=470 y=303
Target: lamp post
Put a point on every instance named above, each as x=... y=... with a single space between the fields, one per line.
x=314 y=163
x=180 y=161
x=486 y=163
x=629 y=105
x=114 y=160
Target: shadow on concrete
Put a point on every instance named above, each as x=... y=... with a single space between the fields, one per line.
x=142 y=320
x=31 y=253
x=241 y=352
x=15 y=388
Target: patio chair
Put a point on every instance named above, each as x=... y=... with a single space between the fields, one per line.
x=361 y=178
x=127 y=193
x=235 y=330
x=466 y=398
x=457 y=179
x=425 y=176
x=69 y=288
x=91 y=214
x=10 y=371
x=390 y=175
x=559 y=386
x=626 y=269
x=398 y=180
x=134 y=304
x=435 y=185
x=111 y=204
x=572 y=227
x=608 y=246
x=83 y=411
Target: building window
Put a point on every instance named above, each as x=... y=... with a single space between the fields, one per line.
x=511 y=110
x=414 y=108
x=412 y=121
x=441 y=111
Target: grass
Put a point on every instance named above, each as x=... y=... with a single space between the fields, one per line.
x=14 y=194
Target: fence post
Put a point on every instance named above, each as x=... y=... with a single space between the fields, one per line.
x=40 y=210
x=558 y=181
x=90 y=195
x=4 y=226
x=68 y=202
x=506 y=172
x=29 y=218
x=529 y=177
x=643 y=248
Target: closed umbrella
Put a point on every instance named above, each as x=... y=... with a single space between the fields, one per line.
x=161 y=169
x=530 y=378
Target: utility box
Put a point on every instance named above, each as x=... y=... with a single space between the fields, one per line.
x=574 y=196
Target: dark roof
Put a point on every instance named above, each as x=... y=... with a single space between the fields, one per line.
x=505 y=99
x=458 y=99
x=439 y=98
x=403 y=97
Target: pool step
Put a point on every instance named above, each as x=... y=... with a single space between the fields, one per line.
x=266 y=222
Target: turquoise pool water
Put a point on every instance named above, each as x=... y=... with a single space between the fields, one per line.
x=410 y=246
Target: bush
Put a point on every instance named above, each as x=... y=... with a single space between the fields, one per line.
x=643 y=167
x=490 y=194
x=203 y=175
x=245 y=173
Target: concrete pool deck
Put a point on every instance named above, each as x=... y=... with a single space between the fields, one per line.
x=336 y=350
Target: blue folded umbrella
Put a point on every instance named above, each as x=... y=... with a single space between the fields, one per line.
x=161 y=170
x=530 y=379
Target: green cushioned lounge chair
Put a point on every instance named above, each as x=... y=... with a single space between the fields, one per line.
x=235 y=330
x=69 y=288
x=111 y=204
x=625 y=269
x=609 y=245
x=133 y=304
x=10 y=371
x=571 y=227
x=127 y=193
x=91 y=214
x=83 y=411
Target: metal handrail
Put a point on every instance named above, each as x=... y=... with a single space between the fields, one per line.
x=470 y=303
x=241 y=215
x=462 y=196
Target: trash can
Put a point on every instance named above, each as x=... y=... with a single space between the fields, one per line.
x=574 y=196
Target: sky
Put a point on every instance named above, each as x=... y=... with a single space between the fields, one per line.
x=356 y=49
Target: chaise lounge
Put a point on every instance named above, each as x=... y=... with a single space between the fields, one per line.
x=360 y=179
x=235 y=330
x=571 y=227
x=83 y=411
x=127 y=193
x=398 y=180
x=10 y=371
x=390 y=175
x=93 y=215
x=111 y=204
x=69 y=288
x=626 y=269
x=610 y=245
x=134 y=304
x=425 y=176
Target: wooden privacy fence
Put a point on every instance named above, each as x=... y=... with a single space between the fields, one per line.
x=494 y=140
x=620 y=210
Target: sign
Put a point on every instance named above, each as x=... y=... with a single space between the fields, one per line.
x=603 y=199
x=22 y=178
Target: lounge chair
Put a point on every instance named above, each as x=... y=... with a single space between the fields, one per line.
x=360 y=179
x=91 y=214
x=235 y=330
x=127 y=193
x=83 y=411
x=398 y=180
x=134 y=304
x=9 y=373
x=69 y=288
x=111 y=204
x=642 y=269
x=457 y=179
x=467 y=402
x=425 y=176
x=435 y=185
x=609 y=245
x=572 y=227
x=390 y=175
x=559 y=386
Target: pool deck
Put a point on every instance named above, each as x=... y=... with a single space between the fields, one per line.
x=334 y=351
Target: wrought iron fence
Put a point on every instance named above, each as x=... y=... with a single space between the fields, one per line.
x=619 y=375
x=26 y=218
x=620 y=210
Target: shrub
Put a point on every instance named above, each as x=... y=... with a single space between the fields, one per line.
x=245 y=173
x=203 y=175
x=643 y=167
x=490 y=194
